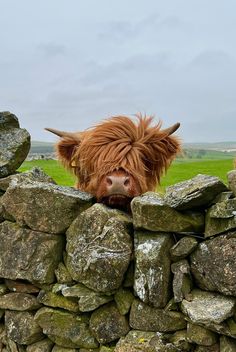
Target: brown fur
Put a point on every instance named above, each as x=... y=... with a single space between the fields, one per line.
x=137 y=147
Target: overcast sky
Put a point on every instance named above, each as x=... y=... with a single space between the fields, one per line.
x=69 y=64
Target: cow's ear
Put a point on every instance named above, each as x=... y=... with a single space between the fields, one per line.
x=66 y=149
x=67 y=146
x=172 y=147
x=162 y=149
x=172 y=143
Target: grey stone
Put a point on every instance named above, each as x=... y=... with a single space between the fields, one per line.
x=107 y=324
x=28 y=255
x=136 y=341
x=64 y=349
x=22 y=328
x=11 y=345
x=1 y=211
x=89 y=300
x=231 y=175
x=182 y=283
x=146 y=318
x=194 y=193
x=14 y=144
x=3 y=289
x=103 y=349
x=99 y=248
x=52 y=299
x=222 y=197
x=5 y=181
x=227 y=344
x=183 y=248
x=213 y=264
x=150 y=212
x=204 y=307
x=221 y=217
x=56 y=288
x=35 y=174
x=44 y=206
x=231 y=325
x=65 y=329
x=224 y=210
x=19 y=301
x=152 y=278
x=44 y=345
x=62 y=274
x=227 y=327
x=14 y=347
x=213 y=348
x=123 y=298
x=8 y=120
x=180 y=340
x=200 y=335
x=142 y=341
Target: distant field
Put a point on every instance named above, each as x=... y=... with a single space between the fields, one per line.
x=179 y=171
x=203 y=151
x=204 y=154
x=41 y=147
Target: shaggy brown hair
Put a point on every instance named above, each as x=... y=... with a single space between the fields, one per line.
x=138 y=147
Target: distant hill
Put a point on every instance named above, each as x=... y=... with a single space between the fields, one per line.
x=221 y=150
x=41 y=147
x=207 y=154
x=221 y=146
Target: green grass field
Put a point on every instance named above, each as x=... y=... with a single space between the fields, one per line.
x=180 y=170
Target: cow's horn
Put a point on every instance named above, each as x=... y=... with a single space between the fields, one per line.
x=171 y=129
x=60 y=133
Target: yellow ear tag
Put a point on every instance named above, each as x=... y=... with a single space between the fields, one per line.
x=73 y=164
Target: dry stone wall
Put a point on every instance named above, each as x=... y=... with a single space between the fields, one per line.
x=79 y=276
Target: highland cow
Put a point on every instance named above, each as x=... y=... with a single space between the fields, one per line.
x=119 y=158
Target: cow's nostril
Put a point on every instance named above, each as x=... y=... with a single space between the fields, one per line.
x=126 y=181
x=109 y=181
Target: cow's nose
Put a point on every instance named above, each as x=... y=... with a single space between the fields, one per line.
x=117 y=184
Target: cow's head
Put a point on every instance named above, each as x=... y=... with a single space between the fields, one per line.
x=119 y=158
